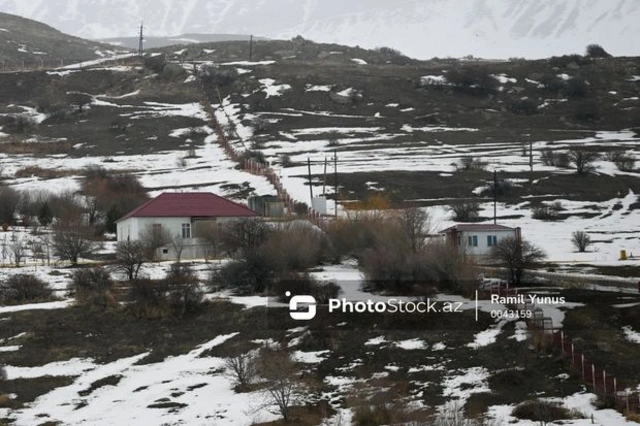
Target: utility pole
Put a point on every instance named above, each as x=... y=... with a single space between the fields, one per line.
x=324 y=179
x=251 y=48
x=495 y=197
x=335 y=168
x=141 y=40
x=310 y=183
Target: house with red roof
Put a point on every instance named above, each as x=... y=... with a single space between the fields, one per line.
x=181 y=216
x=477 y=239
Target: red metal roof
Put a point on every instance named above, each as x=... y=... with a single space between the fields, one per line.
x=190 y=204
x=470 y=227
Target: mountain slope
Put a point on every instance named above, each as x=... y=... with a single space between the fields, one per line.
x=151 y=42
x=30 y=41
x=419 y=28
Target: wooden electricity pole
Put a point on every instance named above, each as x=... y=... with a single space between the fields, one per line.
x=251 y=48
x=310 y=183
x=324 y=179
x=141 y=40
x=495 y=197
x=335 y=168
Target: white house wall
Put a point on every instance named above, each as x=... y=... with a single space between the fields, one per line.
x=483 y=248
x=133 y=227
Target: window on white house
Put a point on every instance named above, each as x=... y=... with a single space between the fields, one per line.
x=472 y=240
x=492 y=240
x=186 y=230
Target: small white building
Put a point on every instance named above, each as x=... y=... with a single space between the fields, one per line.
x=180 y=215
x=477 y=239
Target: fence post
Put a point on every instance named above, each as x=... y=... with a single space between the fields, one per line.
x=604 y=381
x=627 y=401
x=571 y=351
x=582 y=358
x=561 y=341
x=615 y=386
x=593 y=377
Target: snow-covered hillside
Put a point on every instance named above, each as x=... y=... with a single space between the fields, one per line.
x=484 y=28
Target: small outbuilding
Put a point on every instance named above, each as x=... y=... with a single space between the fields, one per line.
x=478 y=239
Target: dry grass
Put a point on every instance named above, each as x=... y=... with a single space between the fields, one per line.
x=36 y=148
x=31 y=171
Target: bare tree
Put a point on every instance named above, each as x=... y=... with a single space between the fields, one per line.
x=242 y=369
x=153 y=237
x=130 y=256
x=177 y=244
x=282 y=379
x=210 y=235
x=583 y=160
x=93 y=210
x=37 y=250
x=47 y=242
x=518 y=255
x=19 y=250
x=71 y=240
x=414 y=223
x=580 y=240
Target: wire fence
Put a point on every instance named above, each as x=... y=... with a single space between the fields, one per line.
x=254 y=167
x=604 y=384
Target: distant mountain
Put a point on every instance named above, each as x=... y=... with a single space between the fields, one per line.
x=418 y=28
x=33 y=42
x=151 y=42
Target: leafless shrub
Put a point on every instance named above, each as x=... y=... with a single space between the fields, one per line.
x=583 y=160
x=23 y=288
x=542 y=411
x=242 y=369
x=465 y=212
x=625 y=162
x=453 y=415
x=183 y=290
x=296 y=247
x=581 y=241
x=154 y=237
x=384 y=404
x=148 y=299
x=282 y=382
x=553 y=158
x=245 y=235
x=93 y=286
x=469 y=162
x=547 y=212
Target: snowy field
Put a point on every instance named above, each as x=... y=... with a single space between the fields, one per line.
x=201 y=394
